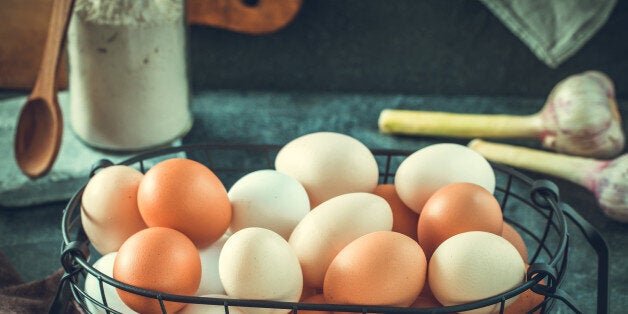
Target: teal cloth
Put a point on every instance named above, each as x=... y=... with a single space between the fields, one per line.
x=553 y=30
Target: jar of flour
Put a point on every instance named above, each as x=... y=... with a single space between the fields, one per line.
x=128 y=78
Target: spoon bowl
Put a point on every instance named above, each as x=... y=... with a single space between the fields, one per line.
x=40 y=124
x=39 y=130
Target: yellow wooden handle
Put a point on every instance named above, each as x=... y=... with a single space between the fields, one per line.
x=413 y=122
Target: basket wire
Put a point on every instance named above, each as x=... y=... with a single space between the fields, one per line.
x=520 y=198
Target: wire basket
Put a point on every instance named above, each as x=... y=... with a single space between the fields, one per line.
x=532 y=207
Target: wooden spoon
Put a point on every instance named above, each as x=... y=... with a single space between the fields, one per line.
x=40 y=124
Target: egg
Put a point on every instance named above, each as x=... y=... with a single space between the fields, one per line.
x=328 y=164
x=526 y=301
x=196 y=308
x=404 y=219
x=92 y=287
x=329 y=227
x=268 y=199
x=423 y=172
x=315 y=299
x=308 y=292
x=509 y=233
x=457 y=208
x=185 y=195
x=109 y=211
x=474 y=265
x=425 y=302
x=426 y=299
x=257 y=263
x=159 y=259
x=379 y=268
x=210 y=279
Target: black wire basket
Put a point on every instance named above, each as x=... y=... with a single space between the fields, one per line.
x=532 y=207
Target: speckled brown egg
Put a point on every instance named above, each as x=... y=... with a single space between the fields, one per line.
x=185 y=195
x=379 y=268
x=457 y=208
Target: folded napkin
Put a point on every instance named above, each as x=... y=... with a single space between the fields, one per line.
x=553 y=30
x=18 y=297
x=69 y=172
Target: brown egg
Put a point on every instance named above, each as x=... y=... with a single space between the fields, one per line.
x=524 y=303
x=379 y=268
x=307 y=292
x=426 y=299
x=457 y=208
x=109 y=211
x=404 y=219
x=509 y=233
x=316 y=299
x=185 y=195
x=159 y=259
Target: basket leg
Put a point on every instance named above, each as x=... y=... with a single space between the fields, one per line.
x=598 y=243
x=61 y=301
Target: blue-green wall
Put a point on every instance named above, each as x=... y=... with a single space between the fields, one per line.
x=451 y=47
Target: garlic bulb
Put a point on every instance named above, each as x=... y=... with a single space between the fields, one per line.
x=580 y=117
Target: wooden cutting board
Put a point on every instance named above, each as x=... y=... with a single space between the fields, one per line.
x=24 y=25
x=254 y=17
x=23 y=29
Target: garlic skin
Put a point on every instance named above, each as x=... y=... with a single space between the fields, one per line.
x=581 y=118
x=606 y=179
x=611 y=189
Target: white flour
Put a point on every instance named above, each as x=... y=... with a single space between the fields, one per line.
x=128 y=73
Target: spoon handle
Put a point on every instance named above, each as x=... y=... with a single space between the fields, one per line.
x=59 y=21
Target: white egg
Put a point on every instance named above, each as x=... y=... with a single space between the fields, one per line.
x=329 y=164
x=432 y=167
x=109 y=211
x=257 y=263
x=210 y=280
x=474 y=265
x=332 y=225
x=210 y=308
x=268 y=199
x=92 y=287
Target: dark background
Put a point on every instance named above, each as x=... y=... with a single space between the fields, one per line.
x=337 y=65
x=455 y=47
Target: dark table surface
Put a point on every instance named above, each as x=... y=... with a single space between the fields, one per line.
x=31 y=236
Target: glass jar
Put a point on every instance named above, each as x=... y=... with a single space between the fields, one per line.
x=128 y=75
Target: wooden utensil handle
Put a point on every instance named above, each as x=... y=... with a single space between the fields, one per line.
x=59 y=21
x=252 y=17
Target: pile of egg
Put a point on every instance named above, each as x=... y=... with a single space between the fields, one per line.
x=318 y=228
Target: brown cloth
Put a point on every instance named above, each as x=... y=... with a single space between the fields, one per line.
x=19 y=297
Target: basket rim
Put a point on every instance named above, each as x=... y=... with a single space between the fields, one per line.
x=80 y=263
